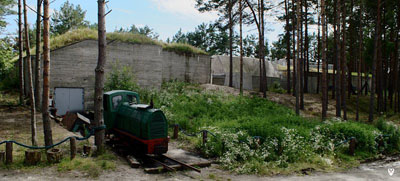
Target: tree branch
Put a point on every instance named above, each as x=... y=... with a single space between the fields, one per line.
x=254 y=15
x=34 y=10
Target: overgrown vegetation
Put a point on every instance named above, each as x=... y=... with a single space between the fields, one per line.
x=74 y=36
x=254 y=135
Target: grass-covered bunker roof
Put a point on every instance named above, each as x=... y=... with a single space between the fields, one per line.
x=79 y=35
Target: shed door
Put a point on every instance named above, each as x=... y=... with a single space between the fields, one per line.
x=68 y=100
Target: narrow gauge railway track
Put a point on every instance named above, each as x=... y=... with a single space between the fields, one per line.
x=151 y=163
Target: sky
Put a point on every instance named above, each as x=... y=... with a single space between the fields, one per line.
x=166 y=17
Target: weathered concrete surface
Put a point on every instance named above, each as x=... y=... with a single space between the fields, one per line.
x=73 y=66
x=194 y=69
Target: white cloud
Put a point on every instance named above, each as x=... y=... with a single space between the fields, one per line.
x=184 y=9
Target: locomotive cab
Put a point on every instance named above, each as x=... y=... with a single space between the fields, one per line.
x=138 y=124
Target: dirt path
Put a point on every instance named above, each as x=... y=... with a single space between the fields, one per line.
x=372 y=171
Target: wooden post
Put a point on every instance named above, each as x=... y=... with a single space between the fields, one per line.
x=2 y=156
x=9 y=150
x=54 y=155
x=352 y=146
x=204 y=137
x=32 y=157
x=176 y=131
x=72 y=144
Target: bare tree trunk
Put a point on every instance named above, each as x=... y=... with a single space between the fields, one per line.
x=302 y=54
x=298 y=86
x=21 y=59
x=99 y=82
x=230 y=44
x=29 y=67
x=262 y=46
x=396 y=60
x=241 y=46
x=359 y=64
x=294 y=49
x=318 y=52
x=374 y=63
x=37 y=69
x=306 y=51
x=287 y=47
x=324 y=64
x=48 y=137
x=338 y=61
x=343 y=61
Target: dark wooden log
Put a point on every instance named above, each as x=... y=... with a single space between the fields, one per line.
x=204 y=137
x=352 y=146
x=72 y=144
x=54 y=155
x=32 y=157
x=176 y=131
x=9 y=150
x=2 y=156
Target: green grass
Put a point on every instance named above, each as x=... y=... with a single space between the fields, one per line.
x=78 y=35
x=289 y=143
x=92 y=166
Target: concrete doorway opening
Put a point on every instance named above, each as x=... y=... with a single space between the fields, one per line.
x=68 y=100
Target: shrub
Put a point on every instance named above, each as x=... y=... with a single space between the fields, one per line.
x=120 y=78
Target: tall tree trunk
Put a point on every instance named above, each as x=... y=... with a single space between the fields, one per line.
x=99 y=82
x=343 y=62
x=396 y=60
x=324 y=64
x=21 y=59
x=338 y=61
x=306 y=51
x=374 y=63
x=294 y=28
x=241 y=46
x=48 y=135
x=263 y=49
x=360 y=62
x=29 y=67
x=318 y=52
x=230 y=44
x=38 y=38
x=287 y=46
x=302 y=54
x=298 y=86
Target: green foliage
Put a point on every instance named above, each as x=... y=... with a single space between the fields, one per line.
x=6 y=8
x=183 y=49
x=208 y=37
x=146 y=31
x=286 y=140
x=67 y=18
x=8 y=73
x=120 y=78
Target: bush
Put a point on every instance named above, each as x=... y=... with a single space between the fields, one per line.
x=285 y=138
x=120 y=78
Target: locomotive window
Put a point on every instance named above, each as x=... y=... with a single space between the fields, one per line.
x=115 y=101
x=132 y=99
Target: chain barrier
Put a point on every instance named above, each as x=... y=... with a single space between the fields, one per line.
x=92 y=131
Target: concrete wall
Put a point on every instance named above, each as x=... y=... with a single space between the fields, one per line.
x=73 y=66
x=194 y=69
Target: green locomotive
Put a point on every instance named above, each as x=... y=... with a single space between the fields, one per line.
x=139 y=125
